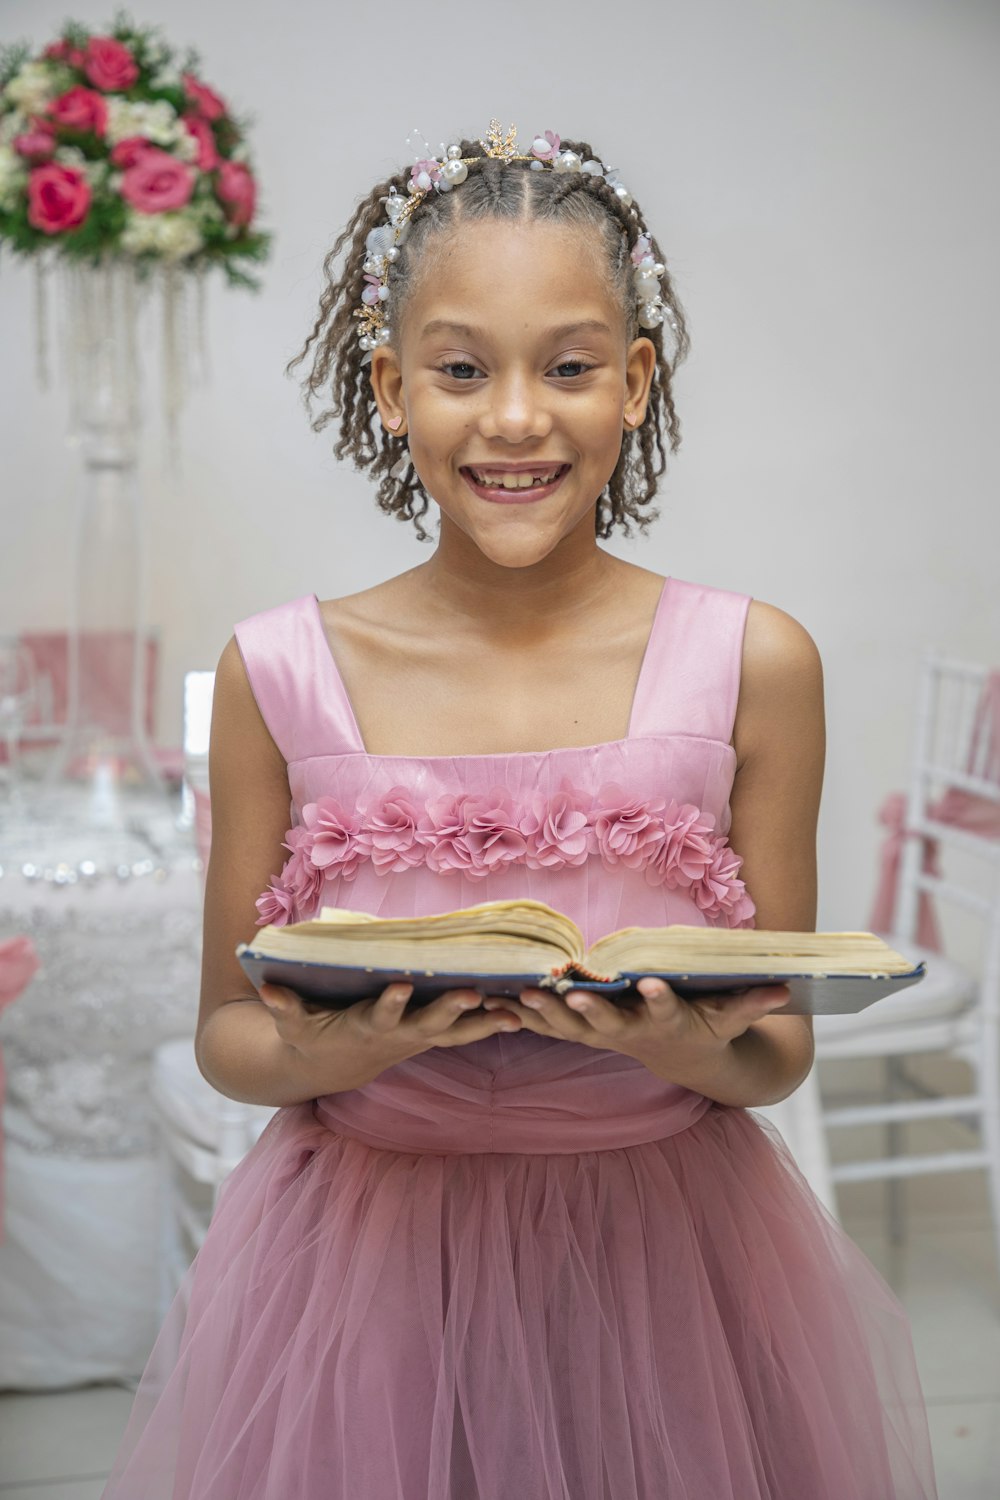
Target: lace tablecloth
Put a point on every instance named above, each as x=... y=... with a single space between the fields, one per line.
x=118 y=935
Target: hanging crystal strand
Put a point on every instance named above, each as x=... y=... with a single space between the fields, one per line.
x=72 y=314
x=41 y=323
x=171 y=377
x=201 y=342
x=130 y=310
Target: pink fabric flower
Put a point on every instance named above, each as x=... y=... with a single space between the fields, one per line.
x=719 y=890
x=79 y=109
x=338 y=845
x=472 y=833
x=557 y=829
x=276 y=907
x=205 y=100
x=425 y=173
x=37 y=143
x=642 y=247
x=300 y=876
x=208 y=153
x=157 y=182
x=370 y=293
x=625 y=827
x=58 y=198
x=236 y=190
x=492 y=835
x=686 y=848
x=545 y=146
x=128 y=151
x=109 y=64
x=440 y=831
x=392 y=827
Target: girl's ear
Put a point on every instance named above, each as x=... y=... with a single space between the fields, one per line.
x=640 y=366
x=387 y=387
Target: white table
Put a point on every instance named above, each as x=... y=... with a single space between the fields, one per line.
x=120 y=964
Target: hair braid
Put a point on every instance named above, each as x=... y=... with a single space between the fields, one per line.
x=492 y=190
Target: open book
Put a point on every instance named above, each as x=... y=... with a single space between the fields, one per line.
x=502 y=947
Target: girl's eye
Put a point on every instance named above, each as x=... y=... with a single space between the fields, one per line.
x=574 y=364
x=454 y=369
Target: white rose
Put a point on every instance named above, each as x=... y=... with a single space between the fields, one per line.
x=186 y=147
x=169 y=78
x=70 y=156
x=173 y=236
x=32 y=87
x=13 y=176
x=11 y=124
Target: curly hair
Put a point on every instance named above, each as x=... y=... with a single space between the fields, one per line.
x=492 y=190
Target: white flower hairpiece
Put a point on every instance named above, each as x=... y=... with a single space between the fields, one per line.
x=430 y=174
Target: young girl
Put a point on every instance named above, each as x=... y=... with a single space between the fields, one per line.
x=534 y=1248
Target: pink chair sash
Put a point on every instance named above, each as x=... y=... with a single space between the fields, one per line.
x=19 y=961
x=958 y=808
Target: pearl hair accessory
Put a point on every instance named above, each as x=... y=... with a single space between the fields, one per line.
x=431 y=174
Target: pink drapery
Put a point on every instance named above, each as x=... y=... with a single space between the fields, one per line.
x=958 y=808
x=18 y=963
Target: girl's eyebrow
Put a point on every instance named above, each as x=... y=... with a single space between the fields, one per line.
x=564 y=330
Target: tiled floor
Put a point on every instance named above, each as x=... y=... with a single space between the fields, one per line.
x=59 y=1446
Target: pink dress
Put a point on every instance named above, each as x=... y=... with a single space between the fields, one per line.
x=523 y=1267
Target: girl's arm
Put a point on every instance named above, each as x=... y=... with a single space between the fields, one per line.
x=780 y=742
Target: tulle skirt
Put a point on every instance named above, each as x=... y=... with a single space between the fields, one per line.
x=676 y=1320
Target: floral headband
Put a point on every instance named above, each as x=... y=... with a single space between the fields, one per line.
x=432 y=175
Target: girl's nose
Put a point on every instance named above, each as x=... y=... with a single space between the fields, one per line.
x=516 y=410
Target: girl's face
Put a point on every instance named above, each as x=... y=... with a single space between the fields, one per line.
x=513 y=359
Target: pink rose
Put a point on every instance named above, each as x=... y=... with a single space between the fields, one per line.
x=62 y=51
x=208 y=155
x=128 y=151
x=79 y=109
x=686 y=848
x=204 y=99
x=37 y=143
x=158 y=182
x=58 y=198
x=338 y=845
x=109 y=64
x=236 y=189
x=626 y=827
x=557 y=829
x=276 y=907
x=392 y=827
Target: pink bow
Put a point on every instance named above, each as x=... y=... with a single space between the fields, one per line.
x=960 y=809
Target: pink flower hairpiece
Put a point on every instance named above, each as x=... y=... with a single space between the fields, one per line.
x=431 y=174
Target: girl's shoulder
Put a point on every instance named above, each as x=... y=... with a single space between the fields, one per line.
x=781 y=679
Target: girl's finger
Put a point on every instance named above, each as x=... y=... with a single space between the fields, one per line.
x=595 y=1010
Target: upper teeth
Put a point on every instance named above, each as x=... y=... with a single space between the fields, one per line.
x=510 y=481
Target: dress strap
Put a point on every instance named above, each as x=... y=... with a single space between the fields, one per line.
x=299 y=691
x=690 y=678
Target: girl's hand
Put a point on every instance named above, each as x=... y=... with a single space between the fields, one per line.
x=371 y=1035
x=675 y=1038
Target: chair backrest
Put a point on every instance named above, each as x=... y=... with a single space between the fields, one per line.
x=954 y=801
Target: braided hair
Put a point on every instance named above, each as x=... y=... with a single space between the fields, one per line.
x=492 y=190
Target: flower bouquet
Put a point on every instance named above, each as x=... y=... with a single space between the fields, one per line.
x=112 y=146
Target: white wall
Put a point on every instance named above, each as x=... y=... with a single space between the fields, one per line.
x=821 y=175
